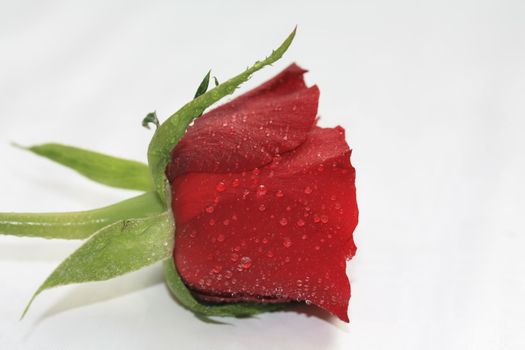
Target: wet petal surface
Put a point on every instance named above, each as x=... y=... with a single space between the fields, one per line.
x=251 y=129
x=280 y=232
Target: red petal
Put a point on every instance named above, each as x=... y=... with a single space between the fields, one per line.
x=279 y=233
x=248 y=131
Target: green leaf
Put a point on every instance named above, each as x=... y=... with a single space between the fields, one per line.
x=117 y=249
x=78 y=225
x=183 y=295
x=108 y=170
x=171 y=131
x=151 y=118
x=203 y=87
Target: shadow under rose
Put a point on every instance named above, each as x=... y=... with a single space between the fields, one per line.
x=97 y=292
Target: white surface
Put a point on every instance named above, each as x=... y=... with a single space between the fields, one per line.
x=431 y=94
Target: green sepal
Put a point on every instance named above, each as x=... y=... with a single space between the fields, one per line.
x=184 y=297
x=119 y=248
x=102 y=168
x=81 y=224
x=170 y=132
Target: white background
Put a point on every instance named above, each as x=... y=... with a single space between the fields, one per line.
x=432 y=95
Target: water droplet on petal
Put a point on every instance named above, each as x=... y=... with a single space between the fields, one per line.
x=210 y=209
x=333 y=198
x=300 y=222
x=279 y=194
x=262 y=207
x=308 y=190
x=211 y=222
x=234 y=257
x=236 y=182
x=246 y=262
x=283 y=221
x=304 y=236
x=220 y=238
x=228 y=274
x=324 y=219
x=261 y=190
x=287 y=242
x=269 y=254
x=221 y=187
x=226 y=222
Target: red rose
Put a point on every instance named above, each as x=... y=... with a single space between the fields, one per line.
x=264 y=200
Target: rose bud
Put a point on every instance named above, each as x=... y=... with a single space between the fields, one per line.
x=264 y=200
x=250 y=208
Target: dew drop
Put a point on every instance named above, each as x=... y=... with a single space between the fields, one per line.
x=307 y=190
x=262 y=207
x=211 y=222
x=261 y=190
x=300 y=222
x=304 y=236
x=337 y=205
x=236 y=182
x=324 y=219
x=287 y=242
x=234 y=257
x=299 y=283
x=210 y=209
x=283 y=221
x=220 y=238
x=333 y=198
x=265 y=240
x=256 y=171
x=279 y=194
x=269 y=254
x=246 y=262
x=317 y=247
x=226 y=222
x=228 y=274
x=221 y=187
x=317 y=218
